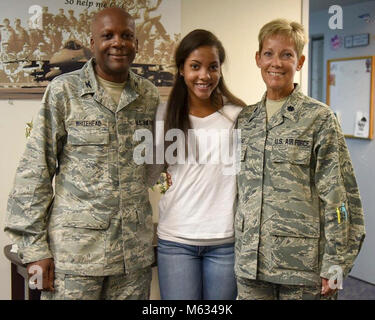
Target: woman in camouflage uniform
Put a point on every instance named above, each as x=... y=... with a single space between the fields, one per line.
x=299 y=220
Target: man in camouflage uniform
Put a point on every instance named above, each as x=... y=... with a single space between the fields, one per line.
x=92 y=234
x=299 y=220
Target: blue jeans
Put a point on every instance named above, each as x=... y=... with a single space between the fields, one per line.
x=189 y=272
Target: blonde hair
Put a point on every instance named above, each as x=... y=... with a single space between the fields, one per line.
x=291 y=29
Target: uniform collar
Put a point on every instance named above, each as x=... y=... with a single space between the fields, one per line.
x=292 y=105
x=131 y=91
x=89 y=83
x=90 y=86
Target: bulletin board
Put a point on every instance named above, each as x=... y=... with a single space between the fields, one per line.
x=350 y=93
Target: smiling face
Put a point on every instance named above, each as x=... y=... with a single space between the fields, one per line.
x=114 y=44
x=278 y=63
x=201 y=72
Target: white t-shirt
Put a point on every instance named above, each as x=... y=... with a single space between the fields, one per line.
x=198 y=208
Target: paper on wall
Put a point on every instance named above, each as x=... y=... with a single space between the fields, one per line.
x=338 y=116
x=361 y=125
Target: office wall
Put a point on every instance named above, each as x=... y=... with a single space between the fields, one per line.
x=362 y=152
x=352 y=24
x=13 y=118
x=235 y=22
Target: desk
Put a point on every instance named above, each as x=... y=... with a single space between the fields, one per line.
x=19 y=278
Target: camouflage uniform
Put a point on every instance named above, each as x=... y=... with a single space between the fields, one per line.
x=299 y=210
x=97 y=221
x=262 y=290
x=133 y=286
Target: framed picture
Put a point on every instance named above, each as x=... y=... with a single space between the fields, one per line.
x=41 y=39
x=350 y=93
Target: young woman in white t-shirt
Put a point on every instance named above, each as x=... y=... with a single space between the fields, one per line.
x=196 y=214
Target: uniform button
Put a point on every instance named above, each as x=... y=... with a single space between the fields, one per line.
x=290 y=108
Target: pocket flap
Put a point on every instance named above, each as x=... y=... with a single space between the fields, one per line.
x=78 y=135
x=298 y=228
x=291 y=154
x=87 y=219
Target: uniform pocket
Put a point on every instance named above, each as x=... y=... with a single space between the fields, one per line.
x=83 y=238
x=86 y=219
x=339 y=222
x=81 y=136
x=290 y=169
x=291 y=154
x=295 y=244
x=86 y=156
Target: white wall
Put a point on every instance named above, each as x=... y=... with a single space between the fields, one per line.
x=362 y=151
x=13 y=118
x=235 y=22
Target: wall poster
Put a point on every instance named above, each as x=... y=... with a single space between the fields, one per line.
x=41 y=39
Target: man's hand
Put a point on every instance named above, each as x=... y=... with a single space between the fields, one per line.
x=326 y=290
x=47 y=268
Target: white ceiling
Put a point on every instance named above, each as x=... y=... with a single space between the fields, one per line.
x=318 y=5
